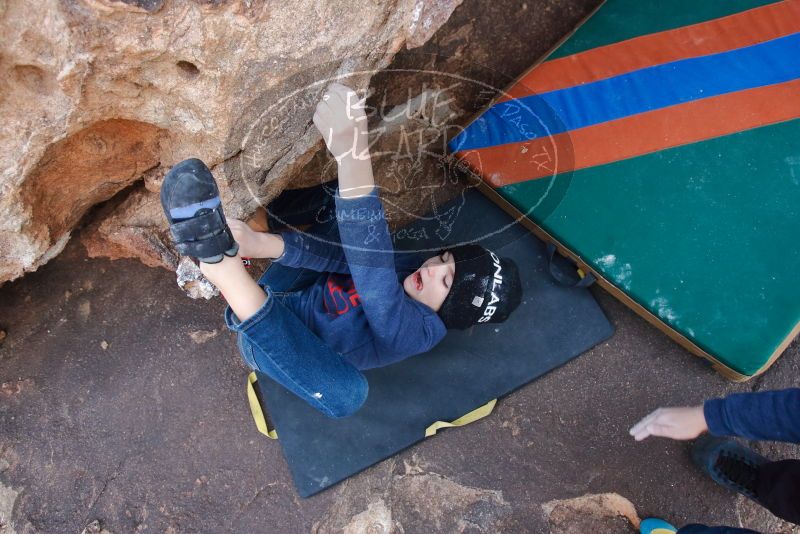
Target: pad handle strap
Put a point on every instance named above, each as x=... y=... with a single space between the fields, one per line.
x=471 y=417
x=585 y=280
x=256 y=410
x=199 y=227
x=208 y=246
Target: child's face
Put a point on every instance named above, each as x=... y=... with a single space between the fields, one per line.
x=430 y=284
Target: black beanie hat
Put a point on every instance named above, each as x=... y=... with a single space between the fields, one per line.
x=485 y=289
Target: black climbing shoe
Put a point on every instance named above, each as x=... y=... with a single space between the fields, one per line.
x=191 y=202
x=729 y=464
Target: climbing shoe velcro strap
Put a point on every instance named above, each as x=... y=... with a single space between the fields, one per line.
x=199 y=227
x=209 y=246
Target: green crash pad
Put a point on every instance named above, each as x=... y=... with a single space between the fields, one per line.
x=699 y=231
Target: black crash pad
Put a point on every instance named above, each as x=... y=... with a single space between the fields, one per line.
x=552 y=325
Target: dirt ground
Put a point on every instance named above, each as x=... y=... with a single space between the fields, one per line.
x=123 y=401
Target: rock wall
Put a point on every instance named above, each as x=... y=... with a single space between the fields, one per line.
x=100 y=98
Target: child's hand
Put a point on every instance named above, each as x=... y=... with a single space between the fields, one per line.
x=254 y=244
x=341 y=120
x=674 y=423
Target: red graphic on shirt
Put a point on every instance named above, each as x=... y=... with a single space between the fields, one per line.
x=341 y=296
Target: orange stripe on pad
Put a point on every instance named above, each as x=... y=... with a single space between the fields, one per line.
x=719 y=35
x=636 y=135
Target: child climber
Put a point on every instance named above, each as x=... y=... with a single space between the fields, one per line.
x=364 y=309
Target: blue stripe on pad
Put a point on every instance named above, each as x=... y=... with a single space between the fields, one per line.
x=643 y=90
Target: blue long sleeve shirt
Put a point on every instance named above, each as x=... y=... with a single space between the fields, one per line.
x=769 y=415
x=358 y=305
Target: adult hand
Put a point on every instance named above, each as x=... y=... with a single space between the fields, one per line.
x=674 y=423
x=341 y=121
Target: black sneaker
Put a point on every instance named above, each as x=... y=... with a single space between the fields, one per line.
x=729 y=464
x=191 y=202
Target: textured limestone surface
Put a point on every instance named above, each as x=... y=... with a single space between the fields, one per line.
x=407 y=496
x=8 y=497
x=609 y=513
x=101 y=97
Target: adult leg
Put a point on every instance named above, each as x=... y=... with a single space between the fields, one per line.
x=778 y=488
x=274 y=341
x=775 y=485
x=703 y=529
x=654 y=525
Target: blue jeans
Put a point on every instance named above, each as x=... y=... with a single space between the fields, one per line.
x=277 y=343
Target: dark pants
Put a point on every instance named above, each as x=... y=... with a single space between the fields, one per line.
x=703 y=529
x=298 y=207
x=778 y=490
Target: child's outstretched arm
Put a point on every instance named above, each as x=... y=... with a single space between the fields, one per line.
x=401 y=327
x=341 y=120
